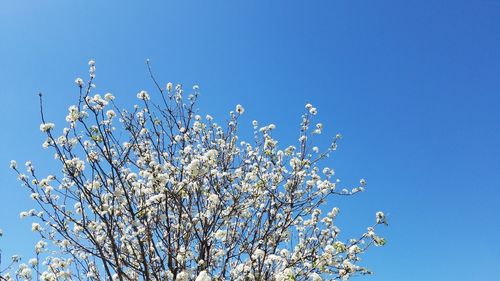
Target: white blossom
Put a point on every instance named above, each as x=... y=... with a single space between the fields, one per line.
x=240 y=109
x=109 y=97
x=380 y=216
x=183 y=276
x=203 y=276
x=45 y=127
x=143 y=95
x=35 y=227
x=110 y=114
x=79 y=82
x=315 y=277
x=33 y=262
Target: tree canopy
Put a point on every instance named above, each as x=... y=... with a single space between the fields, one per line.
x=160 y=192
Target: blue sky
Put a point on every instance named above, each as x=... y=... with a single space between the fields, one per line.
x=412 y=85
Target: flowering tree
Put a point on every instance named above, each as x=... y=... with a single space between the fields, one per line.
x=162 y=193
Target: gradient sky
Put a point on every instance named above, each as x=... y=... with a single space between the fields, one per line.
x=414 y=87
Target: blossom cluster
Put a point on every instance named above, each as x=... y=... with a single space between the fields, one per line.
x=162 y=193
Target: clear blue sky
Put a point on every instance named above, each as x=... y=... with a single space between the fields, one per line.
x=414 y=87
